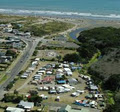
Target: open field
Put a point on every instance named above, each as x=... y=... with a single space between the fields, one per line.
x=49 y=54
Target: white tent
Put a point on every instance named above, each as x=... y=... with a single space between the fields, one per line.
x=60 y=70
x=67 y=70
x=69 y=73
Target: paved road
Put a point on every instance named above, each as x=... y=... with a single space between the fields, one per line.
x=27 y=53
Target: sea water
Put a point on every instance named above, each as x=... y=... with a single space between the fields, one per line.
x=70 y=8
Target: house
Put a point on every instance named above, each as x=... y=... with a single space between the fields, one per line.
x=26 y=105
x=14 y=42
x=2 y=60
x=14 y=109
x=17 y=45
x=5 y=59
x=68 y=108
x=2 y=52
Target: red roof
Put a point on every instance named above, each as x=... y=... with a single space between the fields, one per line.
x=47 y=79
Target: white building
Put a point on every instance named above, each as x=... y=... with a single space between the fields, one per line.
x=14 y=109
x=26 y=105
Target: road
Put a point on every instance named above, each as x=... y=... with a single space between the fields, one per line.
x=27 y=53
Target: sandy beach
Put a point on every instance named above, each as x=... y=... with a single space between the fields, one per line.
x=77 y=22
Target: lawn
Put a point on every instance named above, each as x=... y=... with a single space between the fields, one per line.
x=3 y=78
x=62 y=53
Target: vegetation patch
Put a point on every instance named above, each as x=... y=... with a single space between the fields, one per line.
x=47 y=28
x=105 y=71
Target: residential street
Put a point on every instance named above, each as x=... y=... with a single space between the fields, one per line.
x=27 y=53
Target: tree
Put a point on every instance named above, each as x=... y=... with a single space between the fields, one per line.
x=86 y=51
x=113 y=83
x=59 y=57
x=9 y=86
x=15 y=92
x=12 y=98
x=11 y=53
x=72 y=57
x=35 y=98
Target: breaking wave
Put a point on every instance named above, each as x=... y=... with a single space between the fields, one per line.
x=57 y=13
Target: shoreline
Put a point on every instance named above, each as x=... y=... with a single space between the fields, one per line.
x=63 y=14
x=80 y=23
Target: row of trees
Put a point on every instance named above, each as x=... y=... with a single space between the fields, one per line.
x=84 y=53
x=16 y=98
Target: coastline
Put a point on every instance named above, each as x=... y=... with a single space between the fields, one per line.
x=64 y=14
x=80 y=23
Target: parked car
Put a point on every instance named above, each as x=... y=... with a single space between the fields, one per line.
x=53 y=91
x=43 y=97
x=75 y=94
x=80 y=91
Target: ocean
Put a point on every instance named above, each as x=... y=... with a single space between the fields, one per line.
x=68 y=8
